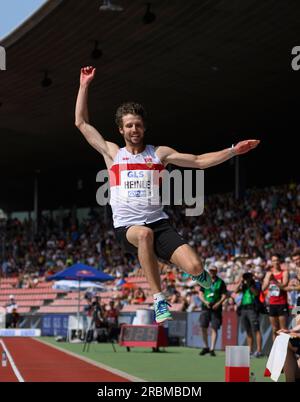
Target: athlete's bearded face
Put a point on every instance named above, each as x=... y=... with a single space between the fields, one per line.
x=133 y=129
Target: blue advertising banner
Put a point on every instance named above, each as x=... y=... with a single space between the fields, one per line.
x=55 y=324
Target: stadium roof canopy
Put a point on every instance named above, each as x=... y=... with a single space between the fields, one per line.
x=209 y=72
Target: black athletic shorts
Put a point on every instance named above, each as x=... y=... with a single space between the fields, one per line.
x=166 y=239
x=277 y=310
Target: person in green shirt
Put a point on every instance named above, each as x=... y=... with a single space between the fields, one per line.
x=249 y=315
x=212 y=300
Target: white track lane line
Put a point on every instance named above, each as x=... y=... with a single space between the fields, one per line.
x=12 y=363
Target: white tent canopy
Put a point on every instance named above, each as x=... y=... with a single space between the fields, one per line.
x=70 y=285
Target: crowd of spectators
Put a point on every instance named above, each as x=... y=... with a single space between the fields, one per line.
x=235 y=236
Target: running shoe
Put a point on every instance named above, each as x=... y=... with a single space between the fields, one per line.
x=204 y=279
x=162 y=312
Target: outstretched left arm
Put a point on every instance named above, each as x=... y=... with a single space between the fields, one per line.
x=169 y=155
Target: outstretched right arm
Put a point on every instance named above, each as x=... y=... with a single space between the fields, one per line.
x=107 y=149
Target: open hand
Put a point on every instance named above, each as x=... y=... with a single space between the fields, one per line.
x=245 y=146
x=282 y=331
x=87 y=75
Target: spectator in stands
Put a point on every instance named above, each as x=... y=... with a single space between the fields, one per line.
x=294 y=285
x=11 y=310
x=230 y=304
x=170 y=274
x=118 y=303
x=5 y=267
x=248 y=310
x=138 y=296
x=276 y=281
x=212 y=300
x=186 y=299
x=171 y=288
x=20 y=282
x=35 y=282
x=127 y=295
x=175 y=298
x=193 y=300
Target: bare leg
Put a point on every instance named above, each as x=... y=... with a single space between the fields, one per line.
x=275 y=326
x=214 y=336
x=282 y=322
x=258 y=341
x=187 y=259
x=290 y=366
x=204 y=336
x=250 y=341
x=142 y=238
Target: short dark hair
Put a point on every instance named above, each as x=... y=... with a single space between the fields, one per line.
x=130 y=108
x=277 y=255
x=247 y=276
x=296 y=252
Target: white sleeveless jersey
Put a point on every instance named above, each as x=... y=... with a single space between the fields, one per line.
x=134 y=188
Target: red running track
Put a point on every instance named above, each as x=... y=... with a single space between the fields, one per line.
x=38 y=362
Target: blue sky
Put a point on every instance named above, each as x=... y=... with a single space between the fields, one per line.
x=14 y=12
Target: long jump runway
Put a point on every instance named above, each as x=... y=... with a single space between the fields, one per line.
x=29 y=360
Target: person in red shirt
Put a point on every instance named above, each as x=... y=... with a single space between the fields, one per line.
x=139 y=296
x=275 y=281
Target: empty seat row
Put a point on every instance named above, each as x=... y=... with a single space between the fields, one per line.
x=29 y=290
x=27 y=303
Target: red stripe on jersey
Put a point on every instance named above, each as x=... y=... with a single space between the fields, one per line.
x=115 y=170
